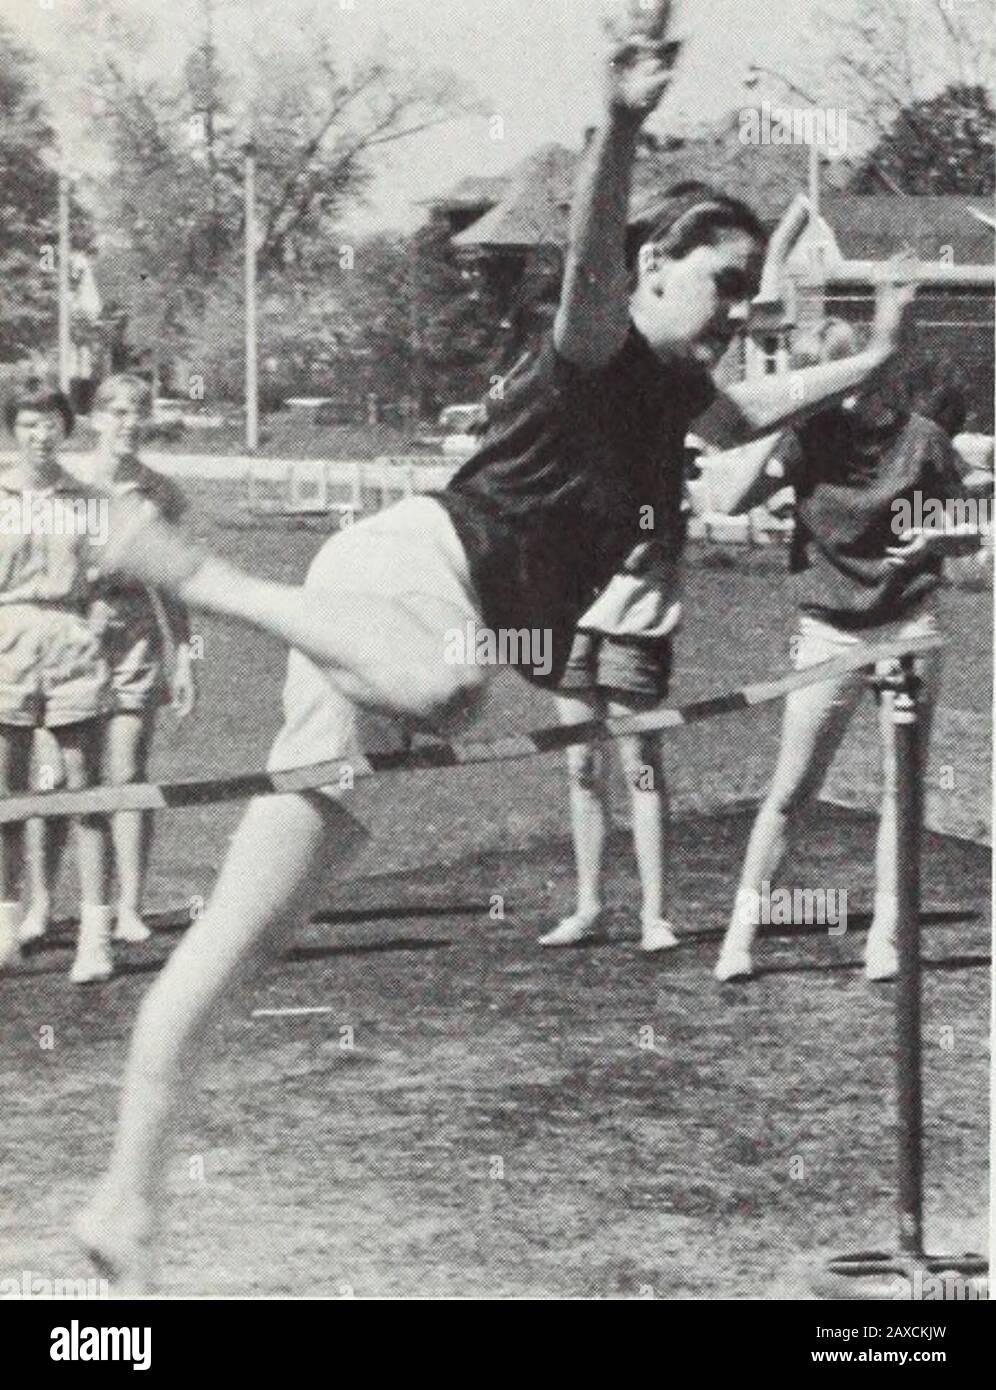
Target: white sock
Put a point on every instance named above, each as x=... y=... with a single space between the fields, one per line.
x=10 y=915
x=94 y=944
x=95 y=921
x=746 y=912
x=885 y=914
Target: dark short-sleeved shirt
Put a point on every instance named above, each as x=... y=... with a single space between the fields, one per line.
x=847 y=480
x=576 y=468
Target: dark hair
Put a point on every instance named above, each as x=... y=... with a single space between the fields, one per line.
x=689 y=214
x=946 y=406
x=36 y=394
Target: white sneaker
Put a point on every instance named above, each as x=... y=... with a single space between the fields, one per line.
x=582 y=926
x=35 y=924
x=10 y=951
x=735 y=962
x=881 y=957
x=94 y=960
x=657 y=935
x=130 y=927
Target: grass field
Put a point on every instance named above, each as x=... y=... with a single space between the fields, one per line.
x=473 y=1118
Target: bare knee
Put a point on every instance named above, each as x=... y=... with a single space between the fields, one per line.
x=642 y=764
x=448 y=698
x=585 y=766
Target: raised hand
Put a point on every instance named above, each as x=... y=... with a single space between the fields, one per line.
x=894 y=293
x=642 y=63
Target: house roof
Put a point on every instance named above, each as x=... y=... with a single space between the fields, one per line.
x=474 y=191
x=875 y=226
x=534 y=206
x=764 y=176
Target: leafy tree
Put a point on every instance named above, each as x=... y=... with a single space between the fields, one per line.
x=423 y=321
x=946 y=144
x=890 y=55
x=175 y=145
x=28 y=203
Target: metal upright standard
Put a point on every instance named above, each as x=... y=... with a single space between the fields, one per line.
x=875 y=1274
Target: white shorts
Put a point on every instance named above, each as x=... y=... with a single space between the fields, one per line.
x=406 y=550
x=819 y=640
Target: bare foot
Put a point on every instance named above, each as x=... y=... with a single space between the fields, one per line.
x=119 y=1248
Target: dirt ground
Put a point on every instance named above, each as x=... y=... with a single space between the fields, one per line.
x=474 y=1117
x=477 y=1118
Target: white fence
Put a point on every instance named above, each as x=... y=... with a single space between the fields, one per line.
x=302 y=486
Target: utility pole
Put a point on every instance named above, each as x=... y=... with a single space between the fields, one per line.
x=753 y=73
x=252 y=330
x=65 y=288
x=209 y=96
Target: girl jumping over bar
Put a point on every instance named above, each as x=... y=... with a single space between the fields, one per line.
x=589 y=437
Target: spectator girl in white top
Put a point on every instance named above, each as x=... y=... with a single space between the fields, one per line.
x=53 y=673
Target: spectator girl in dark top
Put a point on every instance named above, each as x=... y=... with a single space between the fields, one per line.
x=858 y=580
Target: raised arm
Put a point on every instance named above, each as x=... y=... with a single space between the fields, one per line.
x=752 y=408
x=593 y=318
x=746 y=477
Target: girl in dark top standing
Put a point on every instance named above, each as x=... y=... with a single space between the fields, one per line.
x=859 y=580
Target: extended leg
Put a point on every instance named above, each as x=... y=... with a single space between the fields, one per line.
x=258 y=895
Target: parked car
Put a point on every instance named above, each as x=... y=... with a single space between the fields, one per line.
x=167 y=410
x=461 y=419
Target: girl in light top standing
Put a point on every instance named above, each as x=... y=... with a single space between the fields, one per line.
x=53 y=673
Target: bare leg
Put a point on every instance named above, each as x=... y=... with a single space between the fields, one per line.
x=814 y=722
x=45 y=842
x=259 y=894
x=587 y=771
x=126 y=755
x=81 y=748
x=15 y=754
x=384 y=654
x=643 y=769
